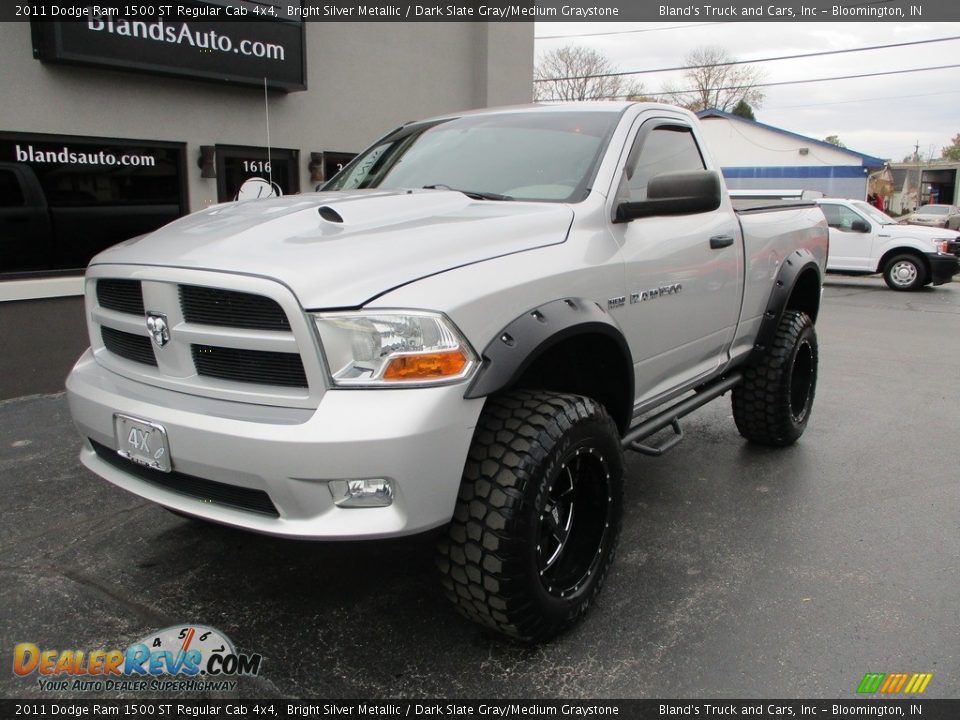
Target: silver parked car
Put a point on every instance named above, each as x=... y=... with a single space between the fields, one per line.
x=945 y=216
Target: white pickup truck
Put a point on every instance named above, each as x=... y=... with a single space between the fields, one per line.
x=463 y=331
x=865 y=240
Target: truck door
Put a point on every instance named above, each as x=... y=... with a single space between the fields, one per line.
x=25 y=238
x=851 y=239
x=683 y=273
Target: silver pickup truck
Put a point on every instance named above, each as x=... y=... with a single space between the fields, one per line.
x=465 y=330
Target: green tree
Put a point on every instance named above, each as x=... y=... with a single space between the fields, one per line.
x=952 y=151
x=744 y=110
x=834 y=140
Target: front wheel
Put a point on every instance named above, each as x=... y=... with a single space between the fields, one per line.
x=904 y=272
x=772 y=404
x=538 y=514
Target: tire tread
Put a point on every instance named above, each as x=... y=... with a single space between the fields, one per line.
x=482 y=556
x=761 y=405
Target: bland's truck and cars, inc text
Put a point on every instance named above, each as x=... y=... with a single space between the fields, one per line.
x=464 y=330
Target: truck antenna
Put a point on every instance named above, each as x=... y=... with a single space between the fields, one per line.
x=266 y=107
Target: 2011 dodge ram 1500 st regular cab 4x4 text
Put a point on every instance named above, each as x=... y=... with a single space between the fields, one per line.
x=465 y=329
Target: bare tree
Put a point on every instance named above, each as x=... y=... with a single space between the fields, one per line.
x=573 y=72
x=712 y=82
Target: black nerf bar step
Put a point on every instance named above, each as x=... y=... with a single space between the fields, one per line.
x=671 y=417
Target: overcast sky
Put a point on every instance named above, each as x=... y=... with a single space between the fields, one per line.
x=881 y=116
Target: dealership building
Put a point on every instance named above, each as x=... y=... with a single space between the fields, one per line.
x=109 y=129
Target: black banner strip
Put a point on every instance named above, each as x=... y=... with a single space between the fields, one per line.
x=919 y=709
x=490 y=11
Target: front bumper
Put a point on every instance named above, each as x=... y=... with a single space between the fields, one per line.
x=943 y=267
x=418 y=437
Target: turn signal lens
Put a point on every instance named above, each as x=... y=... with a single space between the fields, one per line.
x=427 y=366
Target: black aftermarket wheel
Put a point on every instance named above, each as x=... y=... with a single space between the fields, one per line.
x=537 y=518
x=773 y=403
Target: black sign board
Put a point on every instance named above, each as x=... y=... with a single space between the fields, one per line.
x=230 y=51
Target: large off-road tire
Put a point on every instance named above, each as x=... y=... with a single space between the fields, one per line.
x=538 y=514
x=905 y=272
x=773 y=403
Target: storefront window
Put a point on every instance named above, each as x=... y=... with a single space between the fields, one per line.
x=249 y=173
x=79 y=196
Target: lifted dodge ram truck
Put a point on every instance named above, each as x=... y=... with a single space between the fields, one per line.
x=465 y=329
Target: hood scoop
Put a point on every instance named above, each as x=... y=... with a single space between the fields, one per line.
x=329 y=214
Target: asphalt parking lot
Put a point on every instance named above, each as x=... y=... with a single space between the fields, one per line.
x=742 y=572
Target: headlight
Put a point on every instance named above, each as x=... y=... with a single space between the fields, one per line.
x=393 y=348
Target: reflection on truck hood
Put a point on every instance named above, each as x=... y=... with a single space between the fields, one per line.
x=363 y=244
x=920 y=232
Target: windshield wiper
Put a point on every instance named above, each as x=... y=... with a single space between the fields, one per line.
x=473 y=194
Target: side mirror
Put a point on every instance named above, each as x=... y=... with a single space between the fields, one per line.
x=859 y=226
x=681 y=193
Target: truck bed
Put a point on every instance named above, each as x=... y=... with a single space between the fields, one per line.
x=746 y=205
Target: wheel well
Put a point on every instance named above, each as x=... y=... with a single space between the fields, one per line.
x=805 y=295
x=904 y=251
x=589 y=364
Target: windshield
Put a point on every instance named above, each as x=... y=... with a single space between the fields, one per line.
x=540 y=156
x=933 y=210
x=878 y=216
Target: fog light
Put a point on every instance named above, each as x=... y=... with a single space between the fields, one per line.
x=372 y=492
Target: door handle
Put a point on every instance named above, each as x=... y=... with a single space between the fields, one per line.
x=721 y=241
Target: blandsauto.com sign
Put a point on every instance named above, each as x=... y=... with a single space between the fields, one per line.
x=238 y=52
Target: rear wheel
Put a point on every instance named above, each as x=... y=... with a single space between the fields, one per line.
x=773 y=403
x=905 y=272
x=538 y=514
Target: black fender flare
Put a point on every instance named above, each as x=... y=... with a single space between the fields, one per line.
x=528 y=336
x=793 y=266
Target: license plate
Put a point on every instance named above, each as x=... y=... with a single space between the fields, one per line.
x=142 y=441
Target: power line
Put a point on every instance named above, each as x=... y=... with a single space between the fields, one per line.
x=838 y=77
x=628 y=32
x=783 y=82
x=857 y=100
x=745 y=62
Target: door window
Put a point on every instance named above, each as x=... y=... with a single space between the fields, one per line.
x=664 y=149
x=840 y=217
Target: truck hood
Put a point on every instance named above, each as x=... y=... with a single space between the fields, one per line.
x=341 y=249
x=919 y=232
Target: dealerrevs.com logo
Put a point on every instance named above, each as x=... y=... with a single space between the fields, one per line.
x=177 y=658
x=894 y=683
